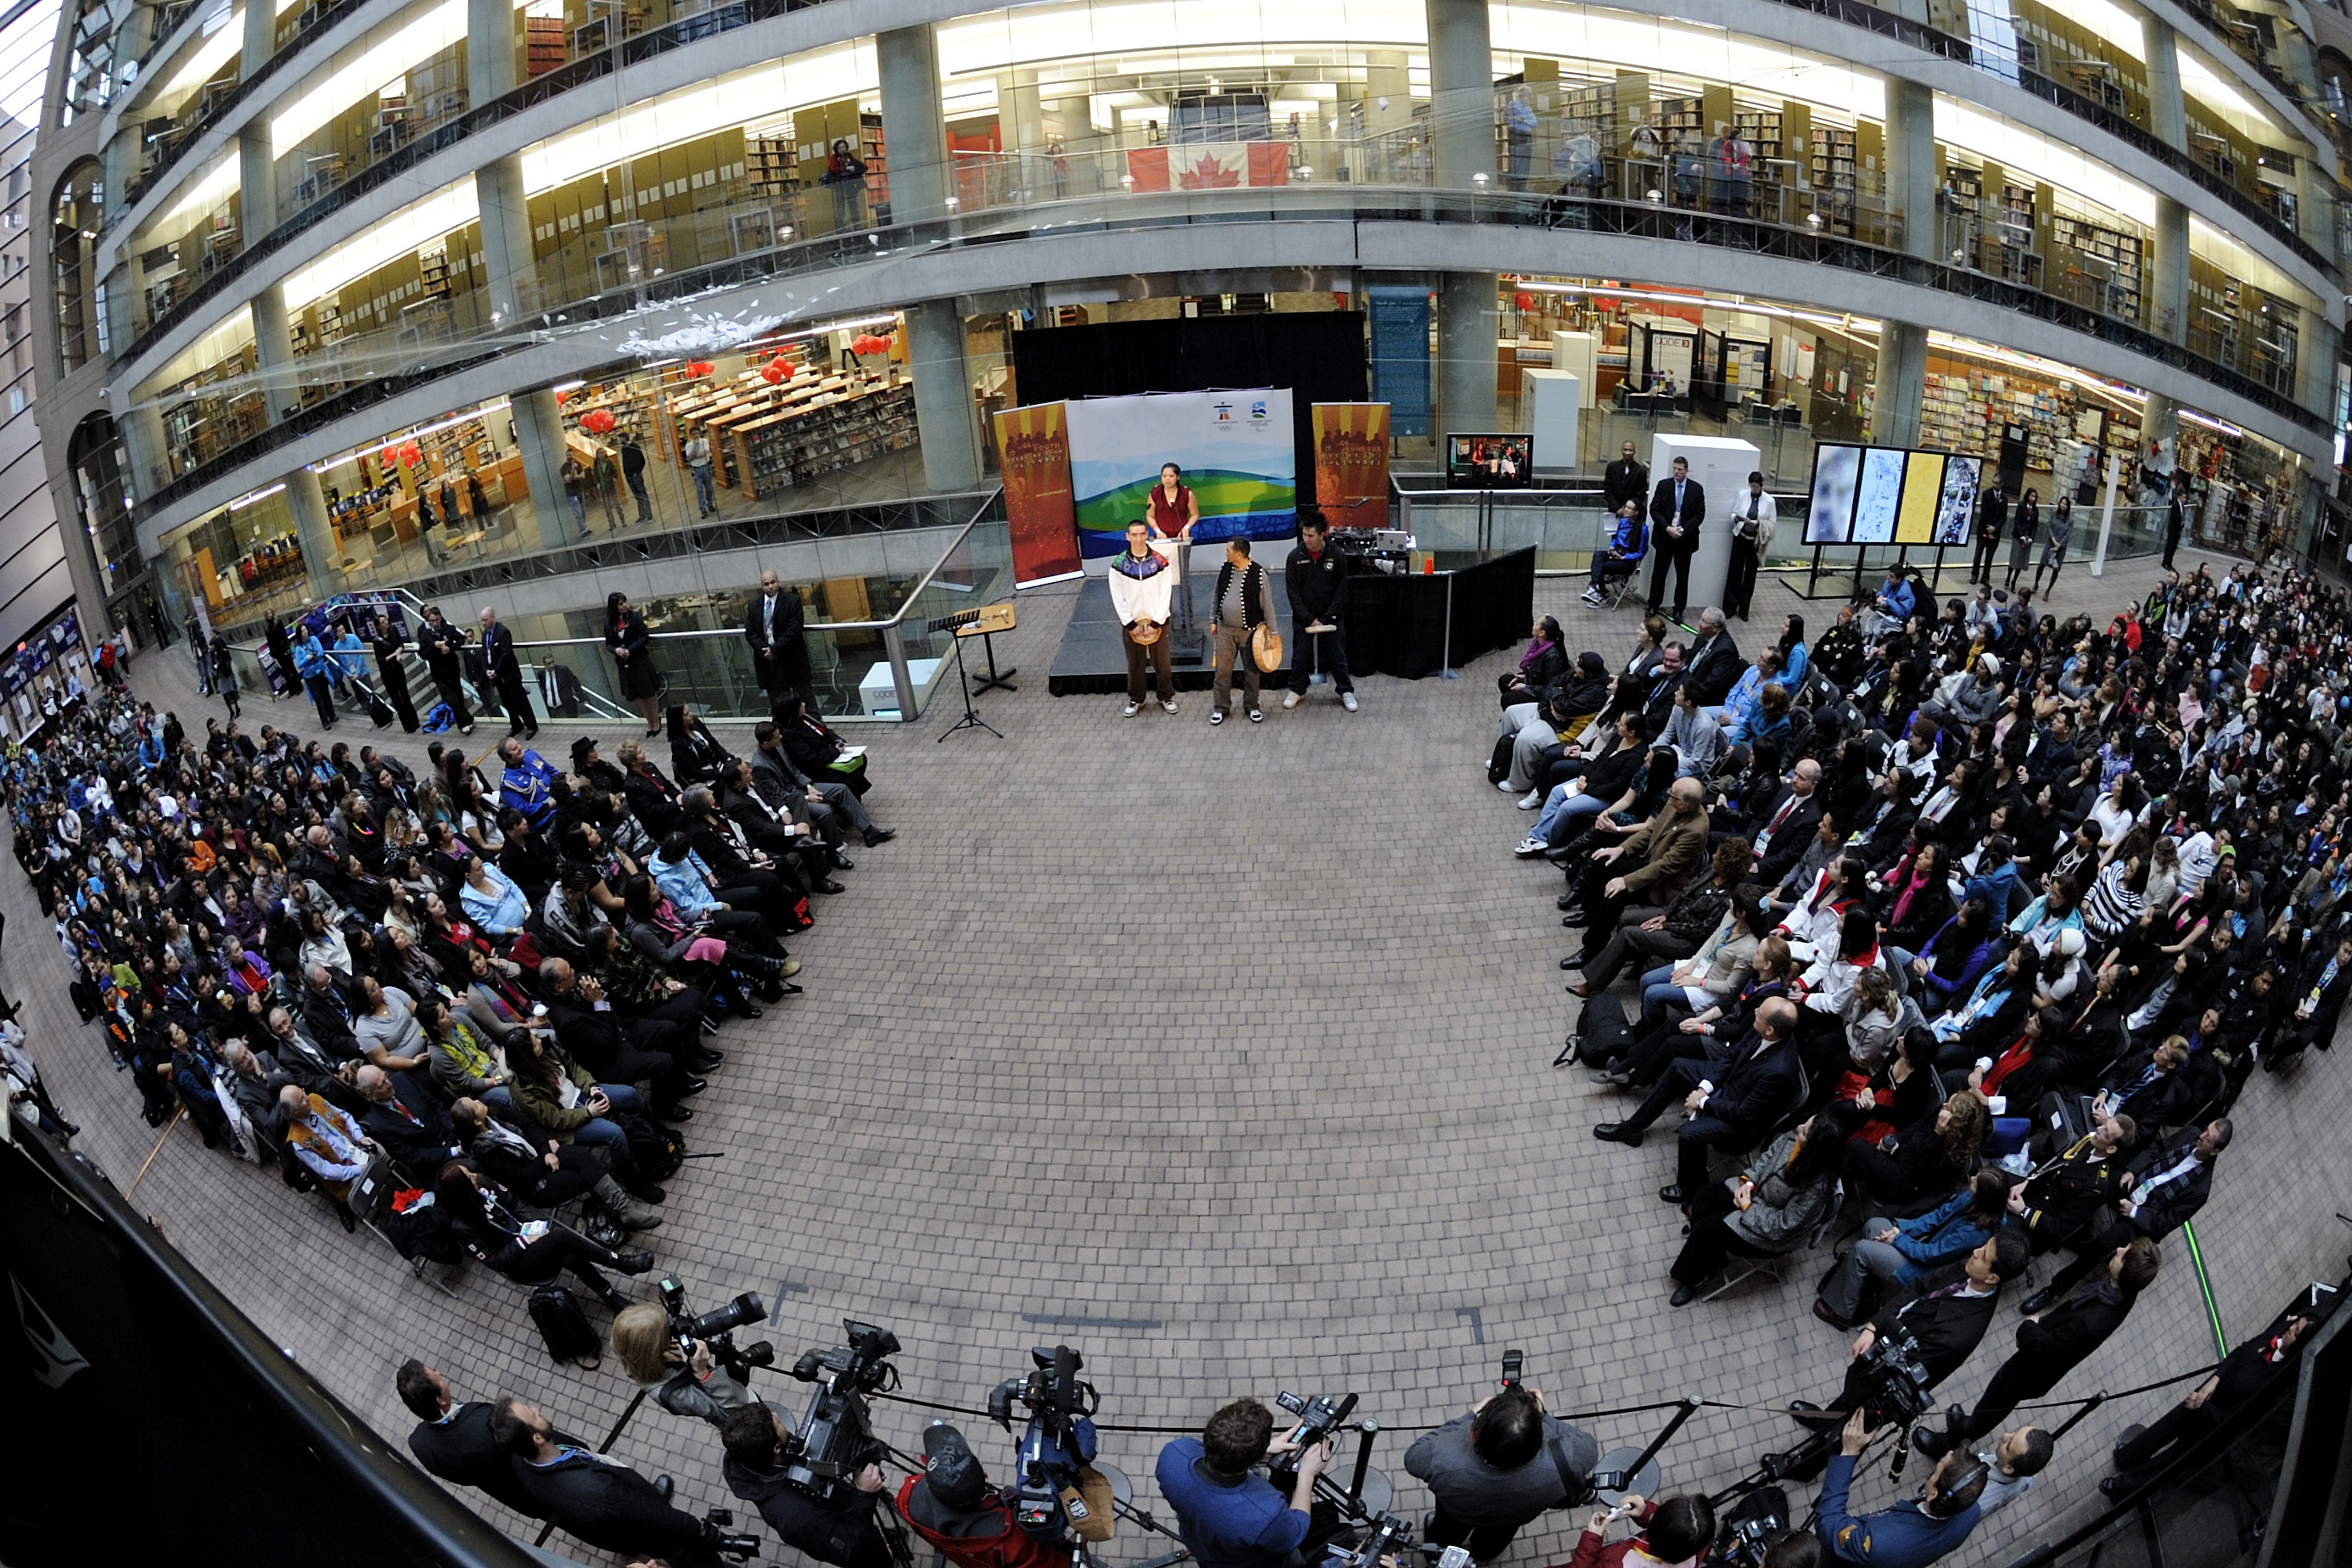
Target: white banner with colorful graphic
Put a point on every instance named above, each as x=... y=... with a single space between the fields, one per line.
x=1237 y=450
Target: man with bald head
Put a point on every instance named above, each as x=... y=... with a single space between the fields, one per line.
x=1657 y=859
x=1731 y=1103
x=404 y=1117
x=652 y=1051
x=1787 y=822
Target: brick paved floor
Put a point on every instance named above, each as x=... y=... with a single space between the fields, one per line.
x=1242 y=1036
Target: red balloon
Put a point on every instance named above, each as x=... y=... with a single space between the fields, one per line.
x=411 y=454
x=774 y=371
x=561 y=398
x=596 y=421
x=699 y=367
x=1525 y=302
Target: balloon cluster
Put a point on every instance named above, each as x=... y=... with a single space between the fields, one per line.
x=700 y=367
x=776 y=372
x=868 y=343
x=597 y=421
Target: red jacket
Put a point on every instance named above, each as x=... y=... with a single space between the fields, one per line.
x=1010 y=1547
x=1590 y=1552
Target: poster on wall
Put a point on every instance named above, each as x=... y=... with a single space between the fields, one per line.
x=1235 y=448
x=1034 y=445
x=1956 y=503
x=1351 y=463
x=1877 y=495
x=1923 y=481
x=1399 y=336
x=1836 y=471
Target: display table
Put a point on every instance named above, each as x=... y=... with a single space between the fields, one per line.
x=1396 y=623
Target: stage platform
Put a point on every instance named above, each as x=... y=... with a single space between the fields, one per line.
x=1092 y=661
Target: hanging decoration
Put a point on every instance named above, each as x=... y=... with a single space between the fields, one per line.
x=699 y=368
x=1524 y=301
x=597 y=421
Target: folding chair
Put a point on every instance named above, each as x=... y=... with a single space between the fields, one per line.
x=1777 y=1266
x=371 y=1202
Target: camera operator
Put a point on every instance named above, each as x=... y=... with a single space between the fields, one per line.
x=1230 y=1517
x=1910 y=1534
x=1497 y=1468
x=687 y=1384
x=599 y=1500
x=840 y=1531
x=953 y=1506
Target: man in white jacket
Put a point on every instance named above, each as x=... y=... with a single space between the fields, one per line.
x=1141 y=585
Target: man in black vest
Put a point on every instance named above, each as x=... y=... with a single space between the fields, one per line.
x=1677 y=511
x=1237 y=612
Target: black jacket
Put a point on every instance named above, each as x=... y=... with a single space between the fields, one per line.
x=1625 y=481
x=422 y=1140
x=1786 y=847
x=598 y=1043
x=461 y=1450
x=1947 y=1327
x=1318 y=588
x=612 y=1506
x=2069 y=1195
x=2174 y=1202
x=1716 y=666
x=327 y=1017
x=438 y=647
x=497 y=656
x=780 y=660
x=842 y=1532
x=1757 y=1085
x=2066 y=1337
x=1692 y=515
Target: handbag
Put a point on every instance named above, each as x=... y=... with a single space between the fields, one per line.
x=1265 y=647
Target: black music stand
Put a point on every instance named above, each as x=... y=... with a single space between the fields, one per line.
x=972 y=719
x=992 y=681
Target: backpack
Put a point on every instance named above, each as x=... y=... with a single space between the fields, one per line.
x=419 y=1229
x=568 y=1333
x=654 y=1150
x=1601 y=1033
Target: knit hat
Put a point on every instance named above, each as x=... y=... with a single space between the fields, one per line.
x=956 y=1479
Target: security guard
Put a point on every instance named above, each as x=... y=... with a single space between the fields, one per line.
x=1910 y=1534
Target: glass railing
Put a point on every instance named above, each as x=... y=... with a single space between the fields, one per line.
x=884 y=664
x=370 y=369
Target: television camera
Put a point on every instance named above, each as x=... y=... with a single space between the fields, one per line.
x=835 y=1437
x=1058 y=1444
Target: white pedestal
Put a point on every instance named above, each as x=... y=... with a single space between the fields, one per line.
x=1552 y=401
x=1722 y=466
x=878 y=693
x=1579 y=355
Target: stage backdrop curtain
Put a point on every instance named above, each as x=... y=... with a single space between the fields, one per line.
x=1396 y=625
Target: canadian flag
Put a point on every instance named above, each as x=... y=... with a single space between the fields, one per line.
x=1210 y=165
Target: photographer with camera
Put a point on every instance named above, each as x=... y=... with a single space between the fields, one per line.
x=1910 y=1534
x=839 y=1529
x=1230 y=1517
x=953 y=1506
x=1495 y=1468
x=599 y=1500
x=684 y=1381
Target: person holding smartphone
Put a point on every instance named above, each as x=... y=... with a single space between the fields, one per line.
x=1674 y=1531
x=1498 y=1466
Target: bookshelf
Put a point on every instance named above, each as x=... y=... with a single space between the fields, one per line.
x=771 y=159
x=1834 y=171
x=544 y=45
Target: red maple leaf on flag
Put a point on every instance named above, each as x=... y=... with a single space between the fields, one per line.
x=1210 y=173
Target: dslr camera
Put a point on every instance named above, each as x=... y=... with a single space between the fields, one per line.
x=835 y=1437
x=717 y=1329
x=1899 y=1386
x=719 y=1523
x=1058 y=1444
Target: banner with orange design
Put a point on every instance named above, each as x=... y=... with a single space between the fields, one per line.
x=1351 y=463
x=1033 y=443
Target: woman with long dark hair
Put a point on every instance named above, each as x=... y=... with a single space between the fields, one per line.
x=632 y=646
x=1770 y=1210
x=508 y=1238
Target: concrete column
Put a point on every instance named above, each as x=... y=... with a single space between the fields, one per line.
x=2168 y=121
x=943 y=407
x=273 y=350
x=142 y=432
x=913 y=135
x=2315 y=206
x=2167 y=305
x=489 y=69
x=538 y=431
x=1466 y=328
x=308 y=501
x=261 y=37
x=1462 y=105
x=2159 y=421
x=2318 y=347
x=1911 y=163
x=1901 y=387
x=257 y=180
x=511 y=278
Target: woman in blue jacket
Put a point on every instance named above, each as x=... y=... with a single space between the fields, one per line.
x=1904 y=1252
x=316 y=673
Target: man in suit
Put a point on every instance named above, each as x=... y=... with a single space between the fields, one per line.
x=1656 y=858
x=599 y=1500
x=2168 y=1184
x=1911 y=1534
x=2244 y=1374
x=648 y=1050
x=438 y=642
x=1626 y=479
x=453 y=1440
x=1677 y=509
x=1787 y=822
x=2319 y=993
x=1714 y=659
x=402 y=1117
x=1993 y=525
x=501 y=669
x=1731 y=1105
x=779 y=778
x=2050 y=1346
x=2068 y=1194
x=774 y=625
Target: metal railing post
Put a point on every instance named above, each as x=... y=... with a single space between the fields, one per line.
x=894 y=642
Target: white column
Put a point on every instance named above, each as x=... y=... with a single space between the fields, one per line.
x=2167 y=121
x=914 y=139
x=1462 y=95
x=1467 y=322
x=2167 y=307
x=308 y=501
x=1901 y=387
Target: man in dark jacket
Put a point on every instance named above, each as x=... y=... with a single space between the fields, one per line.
x=1315 y=578
x=1677 y=508
x=1235 y=612
x=2244 y=1374
x=1787 y=824
x=453 y=1440
x=1992 y=523
x=773 y=627
x=600 y=1500
x=2319 y=993
x=648 y=1050
x=1715 y=662
x=327 y=1012
x=403 y=1116
x=633 y=474
x=1626 y=479
x=2069 y=1194
x=840 y=1531
x=2168 y=1184
x=2052 y=1345
x=438 y=643
x=1731 y=1107
x=501 y=669
x=1499 y=1468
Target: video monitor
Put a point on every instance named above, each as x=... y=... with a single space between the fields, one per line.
x=1489 y=462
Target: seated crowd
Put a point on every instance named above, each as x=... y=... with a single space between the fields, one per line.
x=498 y=988
x=1966 y=929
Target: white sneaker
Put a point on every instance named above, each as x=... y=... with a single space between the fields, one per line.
x=1169 y=705
x=1506 y=786
x=1348 y=701
x=1291 y=699
x=1132 y=709
x=1530 y=845
x=1531 y=800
